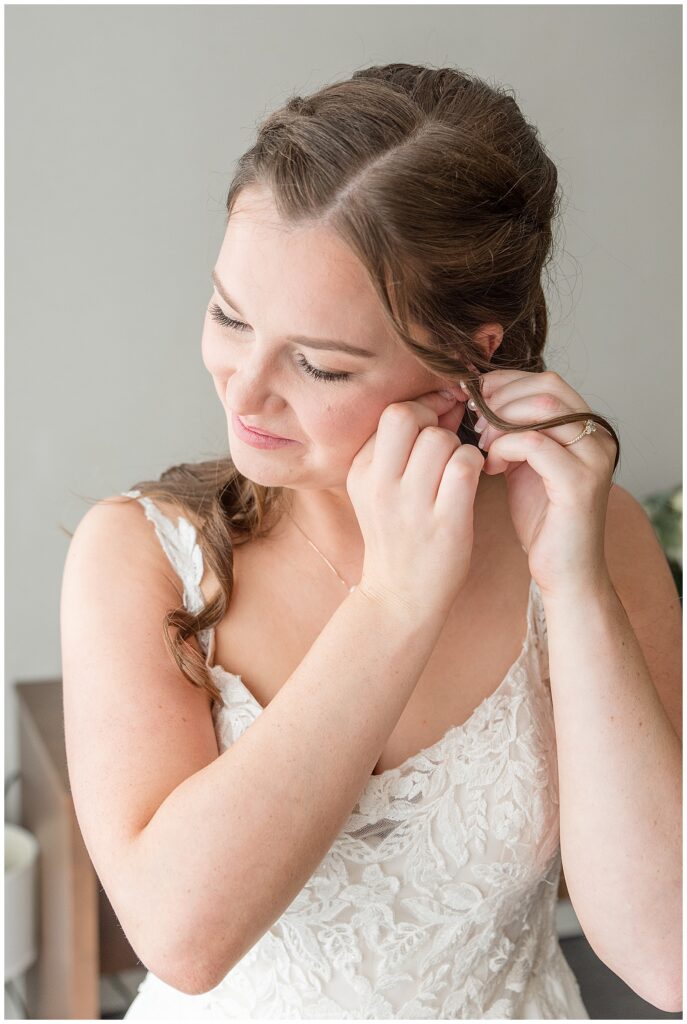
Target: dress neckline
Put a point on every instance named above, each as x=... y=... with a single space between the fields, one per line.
x=453 y=730
x=196 y=601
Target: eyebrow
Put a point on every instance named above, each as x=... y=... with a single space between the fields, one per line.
x=300 y=339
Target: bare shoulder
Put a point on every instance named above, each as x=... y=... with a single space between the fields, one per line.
x=632 y=547
x=621 y=499
x=636 y=561
x=117 y=532
x=641 y=577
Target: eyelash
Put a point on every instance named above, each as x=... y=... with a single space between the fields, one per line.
x=237 y=325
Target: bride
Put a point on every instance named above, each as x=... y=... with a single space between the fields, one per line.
x=339 y=703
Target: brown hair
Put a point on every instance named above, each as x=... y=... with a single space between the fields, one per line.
x=445 y=193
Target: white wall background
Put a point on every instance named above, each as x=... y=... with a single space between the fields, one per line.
x=122 y=127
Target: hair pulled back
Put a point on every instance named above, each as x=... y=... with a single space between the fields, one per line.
x=445 y=193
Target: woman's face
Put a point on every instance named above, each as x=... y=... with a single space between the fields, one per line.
x=289 y=289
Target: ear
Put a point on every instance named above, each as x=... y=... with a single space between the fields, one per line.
x=489 y=337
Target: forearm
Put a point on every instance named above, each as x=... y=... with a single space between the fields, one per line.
x=620 y=770
x=231 y=847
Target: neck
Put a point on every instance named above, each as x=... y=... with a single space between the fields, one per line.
x=327 y=518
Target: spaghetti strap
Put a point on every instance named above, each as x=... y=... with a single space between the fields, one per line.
x=183 y=551
x=540 y=631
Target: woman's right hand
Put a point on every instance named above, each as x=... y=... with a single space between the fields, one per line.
x=413 y=486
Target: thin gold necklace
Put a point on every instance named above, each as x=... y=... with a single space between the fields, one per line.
x=350 y=589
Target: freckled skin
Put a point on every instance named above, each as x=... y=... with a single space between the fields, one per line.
x=304 y=281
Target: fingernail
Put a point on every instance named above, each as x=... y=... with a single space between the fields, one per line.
x=446 y=394
x=480 y=424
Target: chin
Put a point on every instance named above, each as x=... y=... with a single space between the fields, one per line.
x=266 y=476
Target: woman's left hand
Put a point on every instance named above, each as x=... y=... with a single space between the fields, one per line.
x=557 y=494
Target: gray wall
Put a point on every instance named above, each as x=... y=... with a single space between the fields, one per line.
x=122 y=127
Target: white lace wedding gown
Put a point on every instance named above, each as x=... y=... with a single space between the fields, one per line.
x=437 y=899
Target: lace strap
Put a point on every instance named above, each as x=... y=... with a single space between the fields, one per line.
x=180 y=545
x=541 y=632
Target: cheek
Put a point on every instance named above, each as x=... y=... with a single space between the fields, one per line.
x=344 y=424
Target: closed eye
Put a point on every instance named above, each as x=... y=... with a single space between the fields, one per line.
x=226 y=321
x=237 y=325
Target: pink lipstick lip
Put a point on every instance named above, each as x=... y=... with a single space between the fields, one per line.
x=263 y=433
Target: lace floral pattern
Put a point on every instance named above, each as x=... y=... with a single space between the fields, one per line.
x=437 y=899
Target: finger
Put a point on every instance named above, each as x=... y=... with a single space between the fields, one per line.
x=432 y=450
x=500 y=386
x=456 y=492
x=562 y=471
x=454 y=417
x=398 y=429
x=529 y=412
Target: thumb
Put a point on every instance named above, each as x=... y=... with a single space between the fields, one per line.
x=449 y=406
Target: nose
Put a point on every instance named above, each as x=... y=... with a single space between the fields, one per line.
x=250 y=385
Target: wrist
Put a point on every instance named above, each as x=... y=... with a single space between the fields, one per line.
x=579 y=587
x=396 y=608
